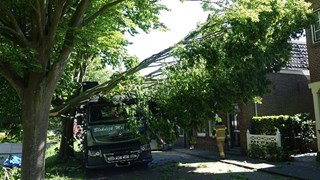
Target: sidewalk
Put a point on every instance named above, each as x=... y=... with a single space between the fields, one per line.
x=301 y=168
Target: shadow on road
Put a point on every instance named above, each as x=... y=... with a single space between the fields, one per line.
x=171 y=165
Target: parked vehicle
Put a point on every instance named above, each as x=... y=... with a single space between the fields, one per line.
x=103 y=131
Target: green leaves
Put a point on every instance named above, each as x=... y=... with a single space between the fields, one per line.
x=9 y=100
x=227 y=58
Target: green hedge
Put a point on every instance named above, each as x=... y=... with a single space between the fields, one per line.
x=270 y=152
x=296 y=130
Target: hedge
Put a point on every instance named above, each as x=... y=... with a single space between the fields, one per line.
x=294 y=130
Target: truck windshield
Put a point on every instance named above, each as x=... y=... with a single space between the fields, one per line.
x=104 y=113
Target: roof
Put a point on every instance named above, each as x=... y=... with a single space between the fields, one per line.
x=299 y=57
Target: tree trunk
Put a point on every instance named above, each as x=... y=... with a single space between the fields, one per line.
x=66 y=144
x=35 y=114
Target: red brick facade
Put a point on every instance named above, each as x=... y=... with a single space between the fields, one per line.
x=314 y=64
x=289 y=95
x=313 y=49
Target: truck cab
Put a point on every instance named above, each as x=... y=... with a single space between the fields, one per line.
x=108 y=139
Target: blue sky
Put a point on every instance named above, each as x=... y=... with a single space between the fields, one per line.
x=182 y=18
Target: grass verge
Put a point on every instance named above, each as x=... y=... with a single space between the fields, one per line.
x=57 y=169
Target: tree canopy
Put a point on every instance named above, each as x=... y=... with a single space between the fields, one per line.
x=228 y=57
x=37 y=38
x=10 y=103
x=225 y=59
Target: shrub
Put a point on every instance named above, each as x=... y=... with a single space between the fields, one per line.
x=13 y=133
x=270 y=152
x=256 y=151
x=276 y=153
x=296 y=130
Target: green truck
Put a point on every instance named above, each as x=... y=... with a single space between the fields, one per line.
x=107 y=139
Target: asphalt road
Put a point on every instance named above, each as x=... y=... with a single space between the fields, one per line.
x=172 y=165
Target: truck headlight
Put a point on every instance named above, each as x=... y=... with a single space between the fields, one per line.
x=145 y=147
x=94 y=153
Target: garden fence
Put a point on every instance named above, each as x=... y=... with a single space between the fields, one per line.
x=263 y=139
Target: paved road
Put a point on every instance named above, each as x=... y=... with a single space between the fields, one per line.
x=174 y=165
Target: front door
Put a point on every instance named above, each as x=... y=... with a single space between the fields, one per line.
x=234 y=130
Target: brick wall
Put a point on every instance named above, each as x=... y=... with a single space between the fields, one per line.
x=314 y=58
x=313 y=49
x=289 y=95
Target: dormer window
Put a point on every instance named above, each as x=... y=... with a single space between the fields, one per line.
x=316 y=29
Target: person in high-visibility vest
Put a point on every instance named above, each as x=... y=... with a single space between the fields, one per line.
x=220 y=134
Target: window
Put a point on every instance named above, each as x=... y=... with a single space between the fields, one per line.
x=202 y=131
x=316 y=29
x=105 y=113
x=181 y=132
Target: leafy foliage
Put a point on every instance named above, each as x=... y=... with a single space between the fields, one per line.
x=296 y=131
x=9 y=100
x=10 y=174
x=226 y=60
x=37 y=39
x=13 y=132
x=270 y=152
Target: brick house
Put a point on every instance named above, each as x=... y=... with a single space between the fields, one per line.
x=289 y=95
x=313 y=45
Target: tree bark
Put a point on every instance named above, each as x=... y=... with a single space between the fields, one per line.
x=35 y=114
x=66 y=144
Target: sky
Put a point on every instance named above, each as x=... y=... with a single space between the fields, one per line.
x=182 y=18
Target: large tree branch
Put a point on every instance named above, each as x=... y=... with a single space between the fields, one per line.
x=16 y=81
x=59 y=65
x=9 y=21
x=53 y=22
x=77 y=18
x=36 y=18
x=101 y=11
x=109 y=85
x=12 y=35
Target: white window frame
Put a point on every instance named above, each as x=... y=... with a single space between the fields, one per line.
x=315 y=37
x=181 y=132
x=203 y=134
